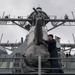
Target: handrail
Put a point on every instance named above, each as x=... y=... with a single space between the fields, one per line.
x=39 y=63
x=35 y=58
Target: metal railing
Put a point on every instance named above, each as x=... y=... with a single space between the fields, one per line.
x=39 y=68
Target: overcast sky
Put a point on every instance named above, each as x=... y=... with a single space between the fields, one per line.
x=24 y=8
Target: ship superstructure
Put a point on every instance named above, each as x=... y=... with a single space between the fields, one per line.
x=31 y=56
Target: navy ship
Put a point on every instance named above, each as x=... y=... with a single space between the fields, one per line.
x=30 y=56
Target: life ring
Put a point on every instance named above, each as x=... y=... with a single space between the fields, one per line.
x=63 y=64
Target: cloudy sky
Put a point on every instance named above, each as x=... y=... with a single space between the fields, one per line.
x=24 y=8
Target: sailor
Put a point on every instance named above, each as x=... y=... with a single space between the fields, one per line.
x=53 y=54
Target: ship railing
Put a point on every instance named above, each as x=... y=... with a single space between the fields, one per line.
x=39 y=68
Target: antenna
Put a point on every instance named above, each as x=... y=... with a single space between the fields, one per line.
x=7 y=41
x=73 y=38
x=3 y=14
x=69 y=41
x=1 y=37
x=70 y=48
x=73 y=15
x=16 y=41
